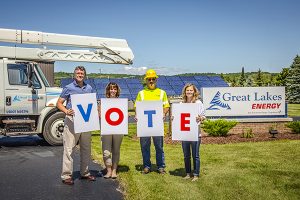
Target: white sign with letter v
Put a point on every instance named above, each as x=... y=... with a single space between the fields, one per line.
x=86 y=114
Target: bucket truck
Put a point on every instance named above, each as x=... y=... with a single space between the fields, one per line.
x=27 y=102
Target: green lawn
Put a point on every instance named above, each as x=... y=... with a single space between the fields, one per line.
x=293 y=110
x=262 y=170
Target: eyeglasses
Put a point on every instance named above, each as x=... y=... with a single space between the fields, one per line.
x=151 y=79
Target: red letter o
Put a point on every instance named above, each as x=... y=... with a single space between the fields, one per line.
x=118 y=121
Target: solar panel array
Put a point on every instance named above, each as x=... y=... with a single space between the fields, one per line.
x=171 y=84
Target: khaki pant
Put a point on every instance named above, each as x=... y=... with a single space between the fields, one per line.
x=111 y=149
x=70 y=139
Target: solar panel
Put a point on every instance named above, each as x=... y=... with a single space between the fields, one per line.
x=187 y=78
x=65 y=81
x=170 y=92
x=123 y=85
x=177 y=84
x=163 y=82
x=172 y=78
x=162 y=78
x=192 y=82
x=118 y=80
x=215 y=78
x=125 y=91
x=201 y=78
x=128 y=96
x=135 y=86
x=166 y=87
x=99 y=96
x=101 y=81
x=133 y=80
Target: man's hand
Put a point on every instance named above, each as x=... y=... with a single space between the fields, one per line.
x=70 y=112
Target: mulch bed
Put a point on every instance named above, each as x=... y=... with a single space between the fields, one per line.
x=236 y=138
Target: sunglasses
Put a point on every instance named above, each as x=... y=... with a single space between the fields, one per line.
x=151 y=79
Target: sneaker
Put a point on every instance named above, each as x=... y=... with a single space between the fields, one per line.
x=162 y=171
x=187 y=176
x=195 y=178
x=146 y=170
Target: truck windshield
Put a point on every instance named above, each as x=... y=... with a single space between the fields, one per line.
x=42 y=76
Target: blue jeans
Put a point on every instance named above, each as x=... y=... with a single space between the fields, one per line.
x=145 y=147
x=187 y=146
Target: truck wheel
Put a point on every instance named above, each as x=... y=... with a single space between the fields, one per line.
x=54 y=128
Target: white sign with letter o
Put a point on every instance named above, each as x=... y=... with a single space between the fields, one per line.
x=114 y=116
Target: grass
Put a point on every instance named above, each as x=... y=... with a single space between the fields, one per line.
x=293 y=110
x=262 y=170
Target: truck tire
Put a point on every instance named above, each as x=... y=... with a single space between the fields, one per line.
x=53 y=129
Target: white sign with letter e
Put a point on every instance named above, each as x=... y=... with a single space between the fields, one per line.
x=184 y=124
x=114 y=116
x=149 y=118
x=86 y=114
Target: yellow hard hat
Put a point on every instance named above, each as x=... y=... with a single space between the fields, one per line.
x=150 y=73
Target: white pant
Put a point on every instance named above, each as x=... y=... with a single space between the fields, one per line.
x=70 y=139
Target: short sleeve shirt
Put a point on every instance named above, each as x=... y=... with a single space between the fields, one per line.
x=152 y=95
x=74 y=88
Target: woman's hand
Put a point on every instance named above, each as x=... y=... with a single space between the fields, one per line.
x=200 y=118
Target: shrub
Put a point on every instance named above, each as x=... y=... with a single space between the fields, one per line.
x=295 y=126
x=218 y=127
x=247 y=133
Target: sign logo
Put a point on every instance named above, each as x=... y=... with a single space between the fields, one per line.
x=216 y=103
x=18 y=98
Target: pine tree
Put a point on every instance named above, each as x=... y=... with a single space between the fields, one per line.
x=259 y=81
x=233 y=82
x=249 y=82
x=282 y=76
x=293 y=82
x=242 y=81
x=222 y=76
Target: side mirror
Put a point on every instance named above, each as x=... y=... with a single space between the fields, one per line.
x=30 y=72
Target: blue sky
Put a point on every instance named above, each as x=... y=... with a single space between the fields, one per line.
x=173 y=36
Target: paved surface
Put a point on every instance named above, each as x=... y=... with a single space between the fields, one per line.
x=29 y=169
x=296 y=118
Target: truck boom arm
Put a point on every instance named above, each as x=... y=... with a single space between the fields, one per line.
x=105 y=50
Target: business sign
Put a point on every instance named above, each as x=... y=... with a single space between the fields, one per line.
x=244 y=101
x=86 y=114
x=114 y=116
x=149 y=118
x=184 y=124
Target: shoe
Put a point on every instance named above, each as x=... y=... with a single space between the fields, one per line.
x=187 y=176
x=89 y=178
x=162 y=171
x=195 y=178
x=146 y=170
x=114 y=176
x=107 y=176
x=68 y=181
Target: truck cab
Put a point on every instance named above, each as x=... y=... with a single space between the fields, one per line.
x=27 y=102
x=27 y=99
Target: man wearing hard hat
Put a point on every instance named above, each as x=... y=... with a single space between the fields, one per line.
x=151 y=92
